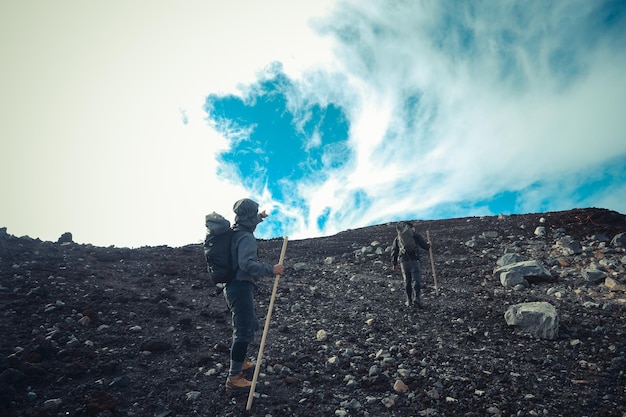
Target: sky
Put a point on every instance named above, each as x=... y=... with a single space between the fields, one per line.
x=125 y=123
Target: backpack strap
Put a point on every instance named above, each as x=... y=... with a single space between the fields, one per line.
x=234 y=248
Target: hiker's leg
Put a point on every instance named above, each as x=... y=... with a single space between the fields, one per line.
x=238 y=352
x=239 y=296
x=405 y=267
x=416 y=272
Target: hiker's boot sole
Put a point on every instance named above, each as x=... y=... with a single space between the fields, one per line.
x=234 y=388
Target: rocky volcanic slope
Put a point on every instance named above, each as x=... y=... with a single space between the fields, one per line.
x=92 y=331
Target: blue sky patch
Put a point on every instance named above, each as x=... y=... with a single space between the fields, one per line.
x=270 y=145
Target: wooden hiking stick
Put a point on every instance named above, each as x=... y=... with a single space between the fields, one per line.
x=432 y=262
x=265 y=329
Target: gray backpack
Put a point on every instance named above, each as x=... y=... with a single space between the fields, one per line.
x=406 y=241
x=218 y=249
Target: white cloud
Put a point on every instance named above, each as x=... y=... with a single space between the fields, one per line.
x=613 y=198
x=495 y=115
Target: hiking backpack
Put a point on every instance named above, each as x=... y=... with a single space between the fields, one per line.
x=406 y=241
x=218 y=249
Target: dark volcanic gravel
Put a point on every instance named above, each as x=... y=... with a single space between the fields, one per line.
x=93 y=331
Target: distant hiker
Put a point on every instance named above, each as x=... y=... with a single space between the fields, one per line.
x=239 y=292
x=405 y=247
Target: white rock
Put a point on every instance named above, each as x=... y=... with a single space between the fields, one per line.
x=192 y=395
x=52 y=404
x=400 y=386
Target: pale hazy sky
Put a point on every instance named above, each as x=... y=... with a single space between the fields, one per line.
x=126 y=122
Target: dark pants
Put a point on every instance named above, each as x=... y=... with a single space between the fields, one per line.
x=412 y=272
x=240 y=299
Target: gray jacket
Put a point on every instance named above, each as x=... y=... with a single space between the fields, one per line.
x=397 y=254
x=249 y=268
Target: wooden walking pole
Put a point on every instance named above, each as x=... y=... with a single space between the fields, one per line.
x=266 y=328
x=432 y=262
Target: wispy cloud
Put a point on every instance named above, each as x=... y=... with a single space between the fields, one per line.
x=455 y=109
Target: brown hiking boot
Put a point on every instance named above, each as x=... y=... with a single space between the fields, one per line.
x=247 y=365
x=238 y=383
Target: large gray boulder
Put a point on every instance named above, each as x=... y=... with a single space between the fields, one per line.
x=539 y=319
x=509 y=258
x=512 y=279
x=532 y=271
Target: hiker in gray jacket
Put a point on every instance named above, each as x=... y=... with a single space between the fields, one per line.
x=410 y=266
x=239 y=292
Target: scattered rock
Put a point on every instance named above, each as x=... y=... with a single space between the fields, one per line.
x=619 y=240
x=65 y=238
x=509 y=258
x=52 y=404
x=512 y=278
x=614 y=285
x=532 y=271
x=400 y=386
x=144 y=332
x=593 y=275
x=537 y=318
